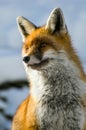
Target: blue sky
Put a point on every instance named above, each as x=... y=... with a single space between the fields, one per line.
x=38 y=11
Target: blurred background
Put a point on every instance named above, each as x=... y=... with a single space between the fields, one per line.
x=13 y=81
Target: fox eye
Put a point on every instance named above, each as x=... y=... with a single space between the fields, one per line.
x=43 y=45
x=27 y=48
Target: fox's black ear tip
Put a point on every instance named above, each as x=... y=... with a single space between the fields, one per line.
x=57 y=10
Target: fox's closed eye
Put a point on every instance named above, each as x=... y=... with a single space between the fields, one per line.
x=27 y=48
x=43 y=45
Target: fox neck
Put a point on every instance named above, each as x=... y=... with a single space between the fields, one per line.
x=52 y=75
x=54 y=88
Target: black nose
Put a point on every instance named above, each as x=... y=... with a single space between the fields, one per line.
x=26 y=59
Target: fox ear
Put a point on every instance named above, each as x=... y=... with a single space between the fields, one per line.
x=56 y=22
x=25 y=26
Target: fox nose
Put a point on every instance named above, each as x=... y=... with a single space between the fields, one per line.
x=26 y=59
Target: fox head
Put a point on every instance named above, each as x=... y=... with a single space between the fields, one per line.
x=49 y=43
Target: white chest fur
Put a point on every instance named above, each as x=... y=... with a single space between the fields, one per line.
x=57 y=91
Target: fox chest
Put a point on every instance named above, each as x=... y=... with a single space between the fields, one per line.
x=57 y=110
x=58 y=105
x=58 y=101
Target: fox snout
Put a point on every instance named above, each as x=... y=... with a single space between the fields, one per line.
x=34 y=58
x=26 y=59
x=31 y=60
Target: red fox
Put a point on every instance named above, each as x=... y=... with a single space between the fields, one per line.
x=57 y=99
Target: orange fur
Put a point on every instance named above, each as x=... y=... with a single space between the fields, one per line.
x=26 y=112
